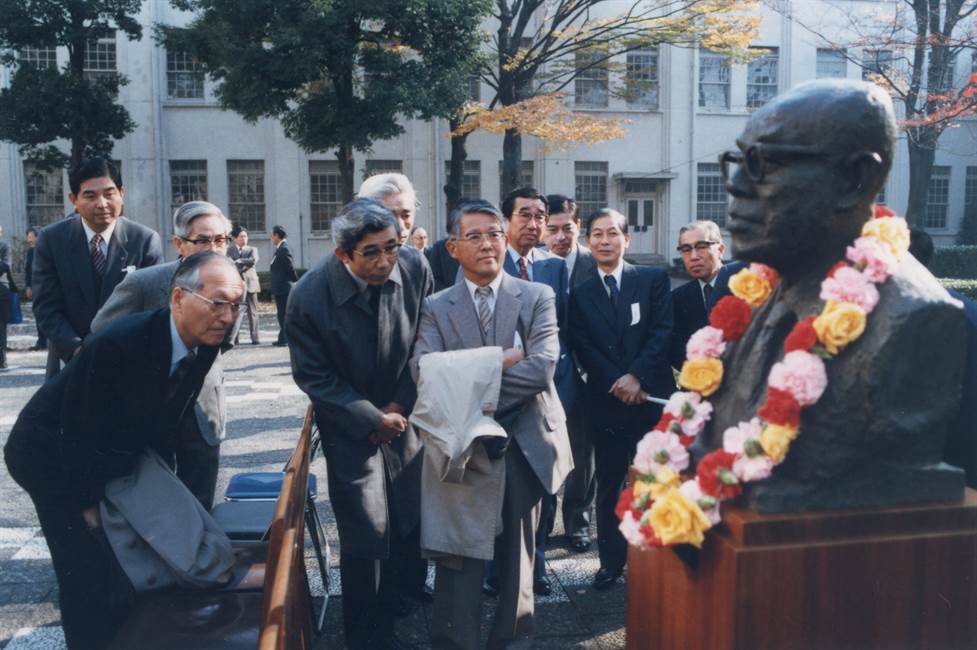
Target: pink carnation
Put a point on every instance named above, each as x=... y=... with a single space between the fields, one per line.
x=706 y=342
x=631 y=529
x=734 y=438
x=692 y=492
x=802 y=375
x=848 y=285
x=690 y=411
x=876 y=258
x=658 y=449
x=768 y=273
x=752 y=469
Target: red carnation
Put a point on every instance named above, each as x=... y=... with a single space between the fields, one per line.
x=802 y=337
x=715 y=474
x=686 y=440
x=731 y=315
x=837 y=267
x=882 y=211
x=649 y=535
x=624 y=502
x=663 y=423
x=780 y=408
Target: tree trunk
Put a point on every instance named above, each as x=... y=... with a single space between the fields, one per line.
x=921 y=155
x=456 y=168
x=511 y=160
x=344 y=154
x=76 y=68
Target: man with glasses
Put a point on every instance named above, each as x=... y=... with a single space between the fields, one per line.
x=198 y=226
x=126 y=391
x=351 y=324
x=701 y=246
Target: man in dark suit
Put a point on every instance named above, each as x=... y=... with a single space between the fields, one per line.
x=562 y=239
x=351 y=326
x=28 y=278
x=620 y=323
x=125 y=391
x=246 y=259
x=5 y=283
x=443 y=266
x=520 y=317
x=283 y=276
x=198 y=226
x=701 y=246
x=79 y=260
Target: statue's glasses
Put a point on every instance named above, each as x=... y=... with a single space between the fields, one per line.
x=757 y=159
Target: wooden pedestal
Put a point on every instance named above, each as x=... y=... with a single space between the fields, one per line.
x=889 y=578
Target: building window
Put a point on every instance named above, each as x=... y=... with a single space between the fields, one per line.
x=471 y=180
x=100 y=57
x=374 y=167
x=761 y=78
x=184 y=77
x=710 y=194
x=641 y=79
x=876 y=62
x=639 y=195
x=325 y=194
x=188 y=182
x=937 y=197
x=590 y=85
x=525 y=176
x=246 y=194
x=713 y=81
x=45 y=195
x=590 y=188
x=970 y=188
x=39 y=57
x=832 y=64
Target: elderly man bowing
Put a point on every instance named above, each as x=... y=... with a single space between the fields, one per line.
x=351 y=323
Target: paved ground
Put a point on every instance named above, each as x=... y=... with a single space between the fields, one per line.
x=265 y=409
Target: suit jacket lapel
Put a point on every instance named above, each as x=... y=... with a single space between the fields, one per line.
x=506 y=315
x=116 y=260
x=598 y=295
x=509 y=265
x=462 y=316
x=81 y=262
x=629 y=290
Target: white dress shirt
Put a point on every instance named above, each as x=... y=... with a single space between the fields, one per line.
x=494 y=284
x=617 y=276
x=106 y=237
x=530 y=258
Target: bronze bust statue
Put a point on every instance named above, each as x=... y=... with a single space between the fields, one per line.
x=811 y=164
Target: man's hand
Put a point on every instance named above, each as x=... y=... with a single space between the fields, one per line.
x=30 y=294
x=92 y=517
x=393 y=407
x=628 y=389
x=389 y=427
x=511 y=357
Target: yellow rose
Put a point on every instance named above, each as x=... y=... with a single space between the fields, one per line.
x=702 y=375
x=775 y=440
x=665 y=479
x=747 y=285
x=891 y=231
x=839 y=324
x=677 y=521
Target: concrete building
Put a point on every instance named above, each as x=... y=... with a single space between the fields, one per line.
x=691 y=106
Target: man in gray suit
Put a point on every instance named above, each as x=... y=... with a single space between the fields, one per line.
x=78 y=261
x=197 y=226
x=351 y=323
x=493 y=308
x=246 y=258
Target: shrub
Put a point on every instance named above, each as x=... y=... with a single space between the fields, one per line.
x=955 y=262
x=966 y=287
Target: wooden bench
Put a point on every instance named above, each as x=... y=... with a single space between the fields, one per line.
x=270 y=608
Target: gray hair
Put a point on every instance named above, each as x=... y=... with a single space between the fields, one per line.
x=380 y=186
x=187 y=212
x=361 y=217
x=188 y=271
x=709 y=228
x=477 y=206
x=619 y=219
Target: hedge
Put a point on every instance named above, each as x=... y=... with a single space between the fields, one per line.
x=965 y=287
x=955 y=262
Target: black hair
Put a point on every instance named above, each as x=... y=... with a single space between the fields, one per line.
x=558 y=203
x=509 y=202
x=921 y=246
x=278 y=230
x=93 y=168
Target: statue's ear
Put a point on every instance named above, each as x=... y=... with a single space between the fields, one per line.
x=862 y=174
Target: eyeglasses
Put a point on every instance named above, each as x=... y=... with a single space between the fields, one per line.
x=476 y=238
x=220 y=241
x=531 y=215
x=216 y=306
x=758 y=158
x=373 y=254
x=699 y=247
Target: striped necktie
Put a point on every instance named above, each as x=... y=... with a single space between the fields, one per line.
x=523 y=271
x=98 y=257
x=484 y=310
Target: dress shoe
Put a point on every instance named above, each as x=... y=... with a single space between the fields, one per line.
x=605 y=579
x=402 y=607
x=579 y=544
x=279 y=344
x=490 y=588
x=542 y=586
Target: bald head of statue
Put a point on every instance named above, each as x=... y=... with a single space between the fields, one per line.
x=806 y=170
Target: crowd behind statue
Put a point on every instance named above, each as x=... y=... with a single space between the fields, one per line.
x=568 y=344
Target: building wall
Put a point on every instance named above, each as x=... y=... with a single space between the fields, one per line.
x=663 y=146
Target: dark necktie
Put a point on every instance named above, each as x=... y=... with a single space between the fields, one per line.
x=179 y=375
x=375 y=297
x=523 y=271
x=611 y=283
x=98 y=257
x=706 y=294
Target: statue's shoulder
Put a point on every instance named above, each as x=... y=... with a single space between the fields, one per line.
x=913 y=288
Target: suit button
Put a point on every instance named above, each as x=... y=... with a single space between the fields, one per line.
x=151 y=580
x=131 y=543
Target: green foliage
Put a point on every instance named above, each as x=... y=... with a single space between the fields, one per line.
x=955 y=262
x=41 y=106
x=965 y=287
x=968 y=227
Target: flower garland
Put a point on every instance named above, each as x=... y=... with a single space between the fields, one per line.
x=659 y=509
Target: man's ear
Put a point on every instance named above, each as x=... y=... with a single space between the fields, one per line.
x=177 y=244
x=452 y=247
x=341 y=254
x=862 y=175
